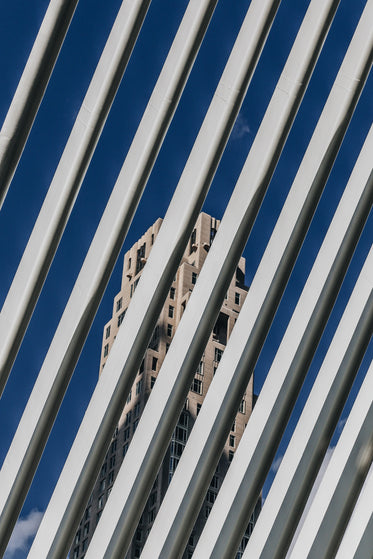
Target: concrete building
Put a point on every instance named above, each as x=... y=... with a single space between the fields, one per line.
x=180 y=291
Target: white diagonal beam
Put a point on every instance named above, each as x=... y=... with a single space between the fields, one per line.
x=91 y=282
x=224 y=528
x=30 y=90
x=49 y=226
x=89 y=448
x=152 y=435
x=340 y=486
x=357 y=542
x=197 y=464
x=291 y=487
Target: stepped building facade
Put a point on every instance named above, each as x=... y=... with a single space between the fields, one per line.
x=178 y=296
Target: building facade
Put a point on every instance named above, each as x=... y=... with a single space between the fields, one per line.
x=178 y=296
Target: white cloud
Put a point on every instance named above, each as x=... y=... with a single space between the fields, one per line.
x=23 y=533
x=241 y=128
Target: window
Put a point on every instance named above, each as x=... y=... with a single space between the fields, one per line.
x=167 y=344
x=129 y=263
x=125 y=448
x=151 y=515
x=171 y=311
x=211 y=496
x=192 y=246
x=76 y=553
x=100 y=503
x=112 y=461
x=98 y=516
x=107 y=333
x=126 y=434
x=153 y=499
x=136 y=409
x=138 y=386
x=102 y=484
x=199 y=408
x=106 y=350
x=138 y=535
x=152 y=240
x=180 y=434
x=128 y=418
x=129 y=397
x=119 y=304
x=230 y=455
x=88 y=511
x=220 y=331
x=152 y=381
x=233 y=428
x=84 y=544
x=237 y=298
x=207 y=511
x=140 y=260
x=169 y=330
x=232 y=440
x=242 y=408
x=111 y=477
x=135 y=424
x=196 y=386
x=200 y=368
x=103 y=469
x=154 y=363
x=172 y=293
x=194 y=278
x=77 y=537
x=113 y=446
x=120 y=318
x=214 y=482
x=218 y=354
x=212 y=234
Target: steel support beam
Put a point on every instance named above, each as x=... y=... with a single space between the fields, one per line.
x=31 y=88
x=55 y=211
x=63 y=513
x=340 y=486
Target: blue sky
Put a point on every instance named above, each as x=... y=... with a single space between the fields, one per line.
x=91 y=24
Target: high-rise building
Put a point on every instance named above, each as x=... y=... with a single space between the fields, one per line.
x=178 y=296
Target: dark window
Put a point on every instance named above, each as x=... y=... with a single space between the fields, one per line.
x=196 y=386
x=171 y=311
x=237 y=298
x=107 y=333
x=140 y=260
x=119 y=304
x=199 y=408
x=232 y=440
x=120 y=318
x=194 y=278
x=218 y=354
x=106 y=350
x=220 y=330
x=193 y=241
x=172 y=293
x=136 y=409
x=154 y=363
x=152 y=381
x=125 y=448
x=169 y=330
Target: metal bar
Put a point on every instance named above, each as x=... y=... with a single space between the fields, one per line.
x=190 y=482
x=357 y=542
x=92 y=280
x=226 y=524
x=48 y=229
x=339 y=489
x=291 y=487
x=31 y=88
x=89 y=448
